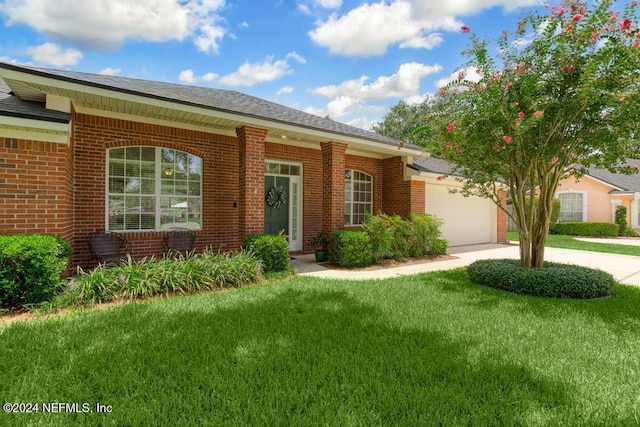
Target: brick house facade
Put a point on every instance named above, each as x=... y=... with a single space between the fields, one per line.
x=61 y=131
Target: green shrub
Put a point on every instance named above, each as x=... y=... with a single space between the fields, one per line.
x=426 y=229
x=381 y=234
x=393 y=237
x=621 y=220
x=272 y=250
x=30 y=269
x=553 y=280
x=350 y=249
x=168 y=275
x=438 y=246
x=587 y=229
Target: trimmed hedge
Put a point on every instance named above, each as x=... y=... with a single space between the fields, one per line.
x=587 y=229
x=271 y=249
x=553 y=280
x=350 y=249
x=30 y=269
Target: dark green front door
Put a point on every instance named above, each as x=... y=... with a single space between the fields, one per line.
x=276 y=204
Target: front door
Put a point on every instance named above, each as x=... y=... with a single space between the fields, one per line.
x=276 y=204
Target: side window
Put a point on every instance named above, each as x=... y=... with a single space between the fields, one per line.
x=358 y=190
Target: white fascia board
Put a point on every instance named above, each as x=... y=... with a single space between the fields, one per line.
x=34 y=124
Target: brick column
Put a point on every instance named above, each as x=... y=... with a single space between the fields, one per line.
x=251 y=143
x=501 y=226
x=333 y=166
x=401 y=196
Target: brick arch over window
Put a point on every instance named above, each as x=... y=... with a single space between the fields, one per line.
x=147 y=143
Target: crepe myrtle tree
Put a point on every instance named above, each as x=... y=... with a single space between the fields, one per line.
x=560 y=94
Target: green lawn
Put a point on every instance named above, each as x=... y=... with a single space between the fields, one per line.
x=568 y=242
x=422 y=350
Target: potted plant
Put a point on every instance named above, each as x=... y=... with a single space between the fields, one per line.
x=320 y=242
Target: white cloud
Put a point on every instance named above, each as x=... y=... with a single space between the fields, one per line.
x=369 y=29
x=418 y=99
x=250 y=74
x=109 y=23
x=50 y=53
x=187 y=76
x=362 y=123
x=405 y=82
x=442 y=8
x=328 y=4
x=285 y=90
x=428 y=42
x=470 y=73
x=307 y=6
x=110 y=71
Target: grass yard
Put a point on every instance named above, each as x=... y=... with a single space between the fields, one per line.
x=568 y=242
x=431 y=349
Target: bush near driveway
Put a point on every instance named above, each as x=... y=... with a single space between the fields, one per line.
x=553 y=280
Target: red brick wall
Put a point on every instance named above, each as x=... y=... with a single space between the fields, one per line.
x=502 y=219
x=94 y=135
x=251 y=179
x=35 y=188
x=401 y=197
x=333 y=166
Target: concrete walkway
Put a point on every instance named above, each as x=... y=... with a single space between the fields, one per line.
x=625 y=268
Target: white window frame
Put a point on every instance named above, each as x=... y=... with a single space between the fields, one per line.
x=349 y=198
x=157 y=194
x=584 y=201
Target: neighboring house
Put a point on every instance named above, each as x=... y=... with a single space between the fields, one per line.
x=595 y=196
x=467 y=220
x=83 y=152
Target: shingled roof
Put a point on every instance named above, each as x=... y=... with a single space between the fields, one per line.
x=625 y=183
x=12 y=106
x=228 y=101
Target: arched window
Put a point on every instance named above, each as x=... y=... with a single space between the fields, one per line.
x=358 y=193
x=153 y=189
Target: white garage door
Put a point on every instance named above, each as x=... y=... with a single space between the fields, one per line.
x=467 y=220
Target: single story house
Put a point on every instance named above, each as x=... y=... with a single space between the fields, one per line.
x=83 y=152
x=595 y=196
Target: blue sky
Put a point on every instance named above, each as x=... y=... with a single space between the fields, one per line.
x=348 y=59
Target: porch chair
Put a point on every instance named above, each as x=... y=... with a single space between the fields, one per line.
x=179 y=242
x=108 y=247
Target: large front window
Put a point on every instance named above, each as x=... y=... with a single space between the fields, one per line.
x=571 y=207
x=358 y=193
x=153 y=189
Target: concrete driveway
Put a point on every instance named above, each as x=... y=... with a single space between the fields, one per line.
x=625 y=268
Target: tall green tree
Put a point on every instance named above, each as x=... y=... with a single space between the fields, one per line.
x=556 y=96
x=403 y=118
